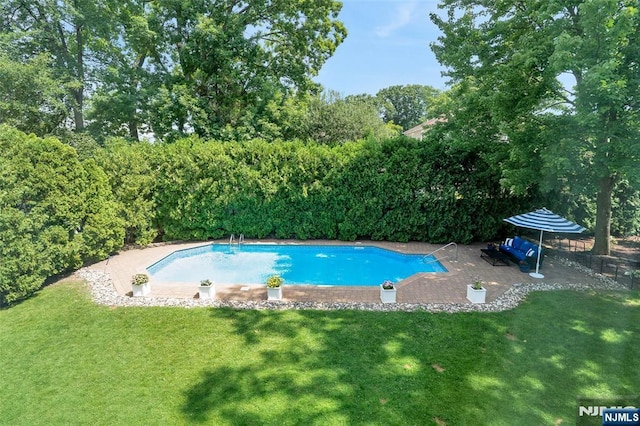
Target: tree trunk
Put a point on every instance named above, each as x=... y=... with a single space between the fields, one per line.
x=133 y=130
x=603 y=216
x=78 y=93
x=78 y=115
x=135 y=94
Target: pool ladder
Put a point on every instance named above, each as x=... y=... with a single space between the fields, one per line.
x=232 y=239
x=426 y=259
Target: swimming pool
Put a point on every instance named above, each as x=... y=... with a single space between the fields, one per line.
x=297 y=264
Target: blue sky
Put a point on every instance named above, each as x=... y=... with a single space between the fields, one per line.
x=387 y=45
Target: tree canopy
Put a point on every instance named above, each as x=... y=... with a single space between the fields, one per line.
x=407 y=106
x=173 y=67
x=561 y=80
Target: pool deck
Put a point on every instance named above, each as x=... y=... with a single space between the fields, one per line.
x=449 y=287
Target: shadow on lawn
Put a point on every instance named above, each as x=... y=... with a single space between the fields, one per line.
x=398 y=368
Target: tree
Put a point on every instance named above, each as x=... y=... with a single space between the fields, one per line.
x=334 y=120
x=129 y=77
x=55 y=213
x=408 y=105
x=218 y=59
x=73 y=33
x=519 y=57
x=175 y=67
x=30 y=98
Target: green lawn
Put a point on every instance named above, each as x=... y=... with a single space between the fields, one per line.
x=64 y=360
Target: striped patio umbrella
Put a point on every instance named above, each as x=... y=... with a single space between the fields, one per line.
x=544 y=220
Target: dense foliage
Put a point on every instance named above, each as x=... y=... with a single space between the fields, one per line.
x=169 y=67
x=55 y=212
x=560 y=80
x=398 y=189
x=60 y=208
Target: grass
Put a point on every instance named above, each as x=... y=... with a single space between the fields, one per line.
x=65 y=361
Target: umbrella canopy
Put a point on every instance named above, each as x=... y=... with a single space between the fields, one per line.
x=544 y=220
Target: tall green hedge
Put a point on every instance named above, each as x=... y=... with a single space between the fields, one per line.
x=55 y=212
x=132 y=175
x=58 y=212
x=399 y=189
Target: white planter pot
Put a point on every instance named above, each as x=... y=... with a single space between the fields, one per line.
x=388 y=296
x=207 y=292
x=141 y=290
x=274 y=293
x=476 y=296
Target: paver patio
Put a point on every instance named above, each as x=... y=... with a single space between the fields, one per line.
x=449 y=287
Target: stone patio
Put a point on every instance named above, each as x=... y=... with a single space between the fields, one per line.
x=442 y=288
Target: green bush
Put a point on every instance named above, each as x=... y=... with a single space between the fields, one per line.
x=132 y=175
x=274 y=281
x=399 y=189
x=139 y=279
x=55 y=212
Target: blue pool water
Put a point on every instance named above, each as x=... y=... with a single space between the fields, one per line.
x=318 y=265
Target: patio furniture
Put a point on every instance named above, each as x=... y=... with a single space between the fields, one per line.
x=519 y=249
x=543 y=220
x=494 y=257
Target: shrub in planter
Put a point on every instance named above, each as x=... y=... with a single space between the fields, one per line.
x=274 y=287
x=388 y=292
x=476 y=293
x=477 y=284
x=140 y=285
x=274 y=281
x=140 y=279
x=207 y=290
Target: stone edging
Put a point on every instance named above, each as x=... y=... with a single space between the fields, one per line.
x=103 y=292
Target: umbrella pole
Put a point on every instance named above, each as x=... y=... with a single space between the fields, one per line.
x=537 y=274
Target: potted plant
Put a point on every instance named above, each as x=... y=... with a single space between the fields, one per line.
x=140 y=285
x=207 y=290
x=388 y=292
x=274 y=287
x=476 y=293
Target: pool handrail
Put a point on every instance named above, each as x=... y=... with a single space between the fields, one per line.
x=435 y=259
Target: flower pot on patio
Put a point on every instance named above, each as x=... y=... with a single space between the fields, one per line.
x=207 y=290
x=388 y=292
x=141 y=290
x=476 y=295
x=274 y=293
x=140 y=285
x=274 y=287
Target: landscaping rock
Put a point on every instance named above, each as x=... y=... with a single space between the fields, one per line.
x=103 y=292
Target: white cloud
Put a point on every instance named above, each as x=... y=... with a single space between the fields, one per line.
x=402 y=17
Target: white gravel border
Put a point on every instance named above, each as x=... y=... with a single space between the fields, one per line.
x=103 y=293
